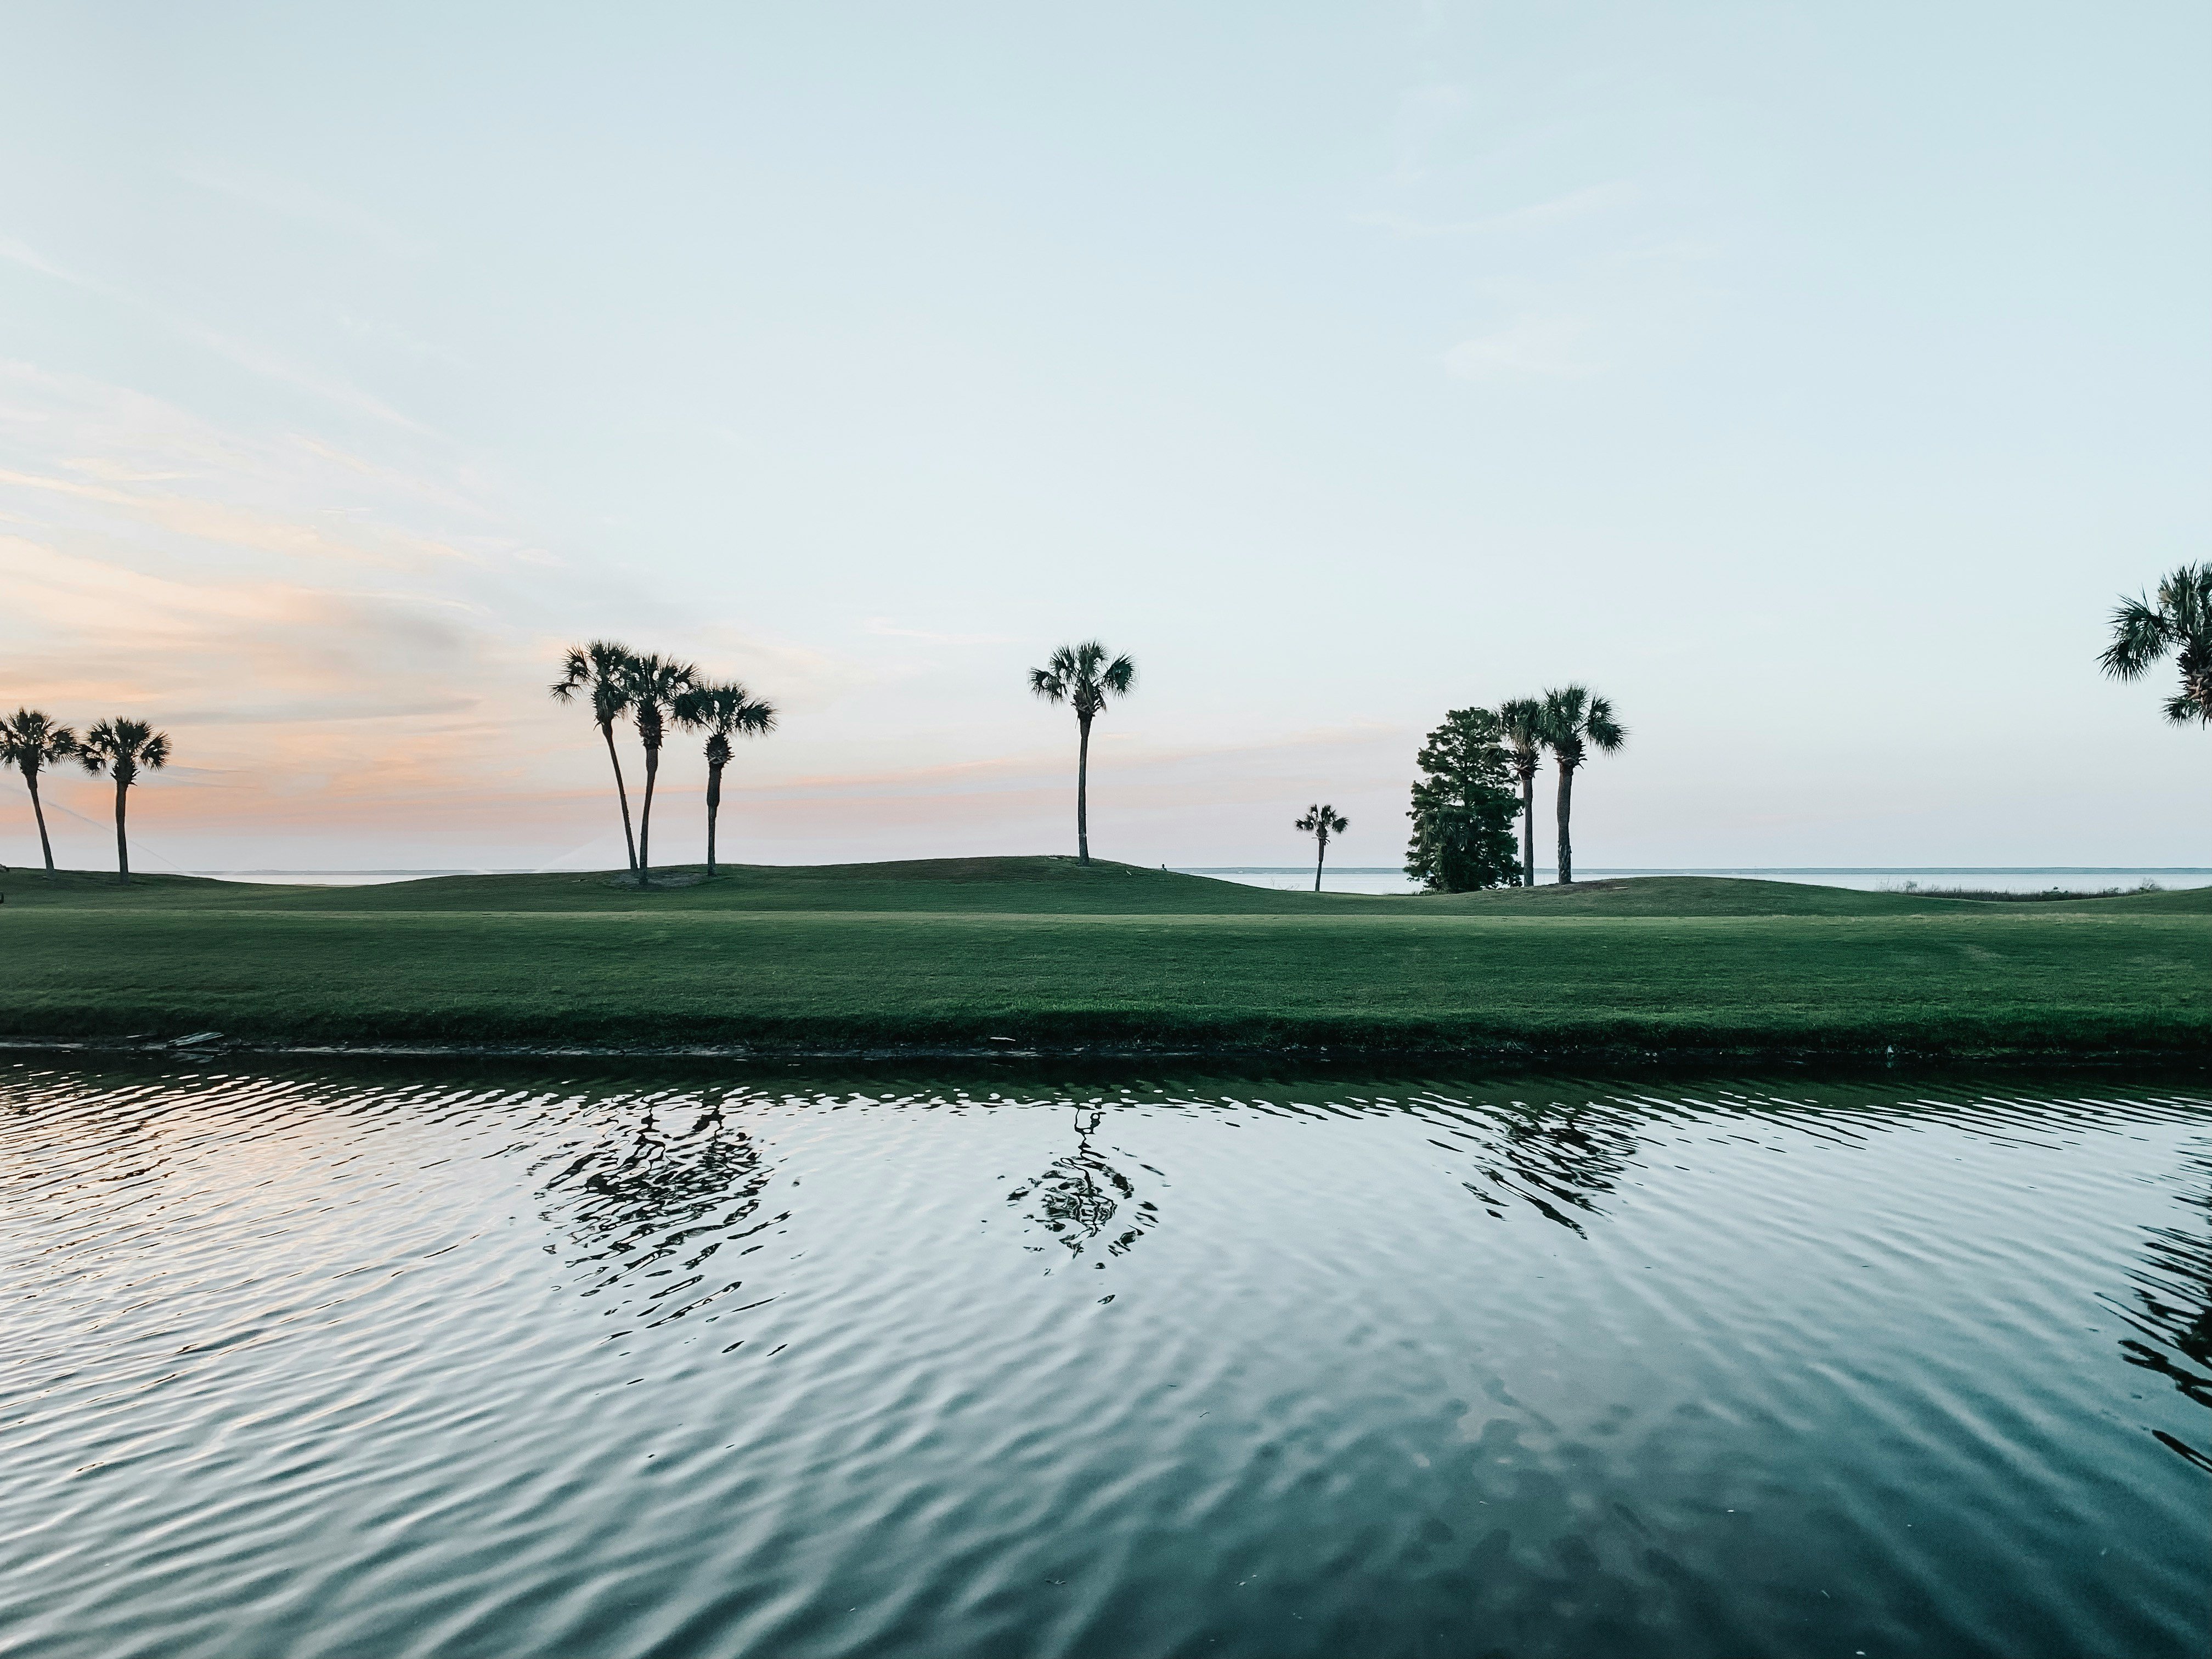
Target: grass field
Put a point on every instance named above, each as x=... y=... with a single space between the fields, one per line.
x=956 y=953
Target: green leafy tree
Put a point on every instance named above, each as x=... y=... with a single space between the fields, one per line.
x=1462 y=809
x=654 y=684
x=2177 y=623
x=722 y=712
x=1521 y=723
x=1321 y=822
x=1084 y=678
x=602 y=670
x=123 y=749
x=30 y=743
x=1576 y=722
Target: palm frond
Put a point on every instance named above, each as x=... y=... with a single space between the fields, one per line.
x=32 y=739
x=2141 y=635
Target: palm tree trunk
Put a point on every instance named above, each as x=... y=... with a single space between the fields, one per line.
x=1528 y=828
x=122 y=843
x=1083 y=797
x=645 y=819
x=713 y=806
x=1566 y=809
x=39 y=810
x=1321 y=851
x=622 y=794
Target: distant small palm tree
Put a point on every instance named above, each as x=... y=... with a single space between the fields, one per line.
x=1521 y=723
x=602 y=668
x=721 y=712
x=1083 y=676
x=1321 y=822
x=123 y=749
x=30 y=743
x=2180 y=622
x=1574 y=723
x=653 y=685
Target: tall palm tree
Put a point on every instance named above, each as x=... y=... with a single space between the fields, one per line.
x=1321 y=822
x=30 y=743
x=653 y=685
x=1083 y=676
x=2180 y=622
x=602 y=668
x=1576 y=722
x=721 y=712
x=1521 y=723
x=121 y=748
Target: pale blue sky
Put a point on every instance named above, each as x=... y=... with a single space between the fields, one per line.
x=1809 y=378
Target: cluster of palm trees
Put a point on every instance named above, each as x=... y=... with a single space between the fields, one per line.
x=1570 y=722
x=655 y=692
x=32 y=740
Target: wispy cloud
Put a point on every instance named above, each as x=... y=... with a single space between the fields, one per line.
x=1552 y=348
x=1568 y=208
x=884 y=628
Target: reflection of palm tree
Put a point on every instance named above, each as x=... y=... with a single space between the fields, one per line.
x=654 y=1201
x=2174 y=1306
x=1079 y=1196
x=1559 y=1160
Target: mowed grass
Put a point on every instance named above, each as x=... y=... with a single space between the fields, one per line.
x=1044 y=951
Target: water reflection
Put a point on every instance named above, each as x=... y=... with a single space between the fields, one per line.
x=1087 y=1204
x=1557 y=1159
x=668 y=1184
x=2173 y=1304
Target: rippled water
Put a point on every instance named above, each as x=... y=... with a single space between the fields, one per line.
x=310 y=1363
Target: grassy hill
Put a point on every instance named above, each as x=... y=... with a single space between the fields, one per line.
x=1044 y=950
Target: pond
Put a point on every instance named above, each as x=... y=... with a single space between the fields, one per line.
x=309 y=1362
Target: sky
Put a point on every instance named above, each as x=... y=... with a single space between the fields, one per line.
x=1809 y=380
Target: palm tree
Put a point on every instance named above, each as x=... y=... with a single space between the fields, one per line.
x=2180 y=622
x=721 y=712
x=1521 y=723
x=121 y=748
x=602 y=669
x=1321 y=822
x=1574 y=722
x=30 y=743
x=653 y=686
x=1082 y=676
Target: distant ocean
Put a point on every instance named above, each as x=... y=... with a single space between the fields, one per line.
x=2092 y=878
x=1373 y=878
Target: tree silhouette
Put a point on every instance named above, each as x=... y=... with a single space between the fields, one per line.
x=2178 y=622
x=1083 y=676
x=602 y=668
x=2172 y=1314
x=1321 y=822
x=1576 y=722
x=721 y=712
x=123 y=749
x=1079 y=1196
x=653 y=686
x=1520 y=723
x=30 y=743
x=1462 y=812
x=653 y=1197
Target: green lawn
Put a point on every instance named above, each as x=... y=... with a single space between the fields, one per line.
x=956 y=951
